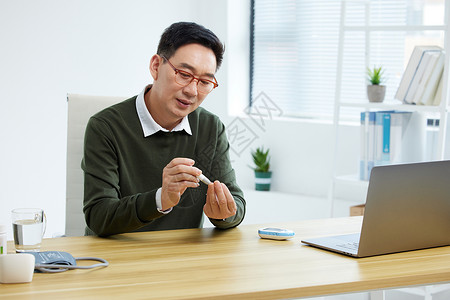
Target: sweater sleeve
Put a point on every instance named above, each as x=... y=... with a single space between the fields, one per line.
x=106 y=211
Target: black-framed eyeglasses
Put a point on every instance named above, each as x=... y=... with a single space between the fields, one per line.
x=183 y=78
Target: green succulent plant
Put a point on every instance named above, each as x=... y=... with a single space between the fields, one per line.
x=261 y=160
x=375 y=75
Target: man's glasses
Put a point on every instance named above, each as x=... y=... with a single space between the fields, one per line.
x=184 y=78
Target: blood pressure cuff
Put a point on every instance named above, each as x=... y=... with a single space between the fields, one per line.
x=54 y=258
x=57 y=261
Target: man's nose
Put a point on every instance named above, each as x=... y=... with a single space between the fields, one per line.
x=192 y=87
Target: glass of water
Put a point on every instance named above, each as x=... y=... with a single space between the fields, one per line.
x=28 y=228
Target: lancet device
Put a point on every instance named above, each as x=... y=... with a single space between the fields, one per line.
x=204 y=179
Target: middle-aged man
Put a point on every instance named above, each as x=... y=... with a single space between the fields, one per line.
x=143 y=156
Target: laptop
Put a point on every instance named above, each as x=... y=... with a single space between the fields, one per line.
x=407 y=208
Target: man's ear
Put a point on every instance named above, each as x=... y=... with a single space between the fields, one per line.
x=155 y=63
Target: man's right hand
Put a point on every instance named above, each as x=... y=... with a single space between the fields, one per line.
x=177 y=176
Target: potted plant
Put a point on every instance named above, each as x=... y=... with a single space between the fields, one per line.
x=375 y=89
x=263 y=174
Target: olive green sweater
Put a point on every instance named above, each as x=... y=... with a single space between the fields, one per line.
x=123 y=170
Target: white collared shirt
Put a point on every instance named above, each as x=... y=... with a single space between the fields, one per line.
x=149 y=127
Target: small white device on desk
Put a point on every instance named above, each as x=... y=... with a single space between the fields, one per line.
x=276 y=233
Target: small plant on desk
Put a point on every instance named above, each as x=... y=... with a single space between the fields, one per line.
x=263 y=175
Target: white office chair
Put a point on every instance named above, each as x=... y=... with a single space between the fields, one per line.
x=80 y=109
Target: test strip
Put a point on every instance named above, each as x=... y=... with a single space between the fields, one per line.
x=204 y=179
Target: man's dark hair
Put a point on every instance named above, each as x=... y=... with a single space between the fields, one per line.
x=184 y=33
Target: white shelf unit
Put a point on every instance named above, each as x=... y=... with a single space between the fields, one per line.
x=388 y=104
x=441 y=110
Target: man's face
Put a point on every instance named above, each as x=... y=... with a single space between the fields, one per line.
x=176 y=101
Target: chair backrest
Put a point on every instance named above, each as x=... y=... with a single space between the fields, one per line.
x=80 y=109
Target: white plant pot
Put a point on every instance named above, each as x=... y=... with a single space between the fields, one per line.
x=376 y=93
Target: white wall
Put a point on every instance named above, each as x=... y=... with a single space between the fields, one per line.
x=53 y=47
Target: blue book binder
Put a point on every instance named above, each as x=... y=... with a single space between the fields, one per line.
x=382 y=135
x=386 y=146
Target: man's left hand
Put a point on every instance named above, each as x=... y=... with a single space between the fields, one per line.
x=219 y=202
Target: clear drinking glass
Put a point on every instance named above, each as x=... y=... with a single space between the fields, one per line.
x=28 y=228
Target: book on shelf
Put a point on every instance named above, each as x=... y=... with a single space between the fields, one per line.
x=389 y=128
x=438 y=94
x=367 y=131
x=382 y=137
x=432 y=85
x=422 y=59
x=424 y=81
x=431 y=138
x=418 y=76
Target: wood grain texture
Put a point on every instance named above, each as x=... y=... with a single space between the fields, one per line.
x=228 y=264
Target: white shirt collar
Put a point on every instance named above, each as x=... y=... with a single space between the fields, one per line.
x=149 y=125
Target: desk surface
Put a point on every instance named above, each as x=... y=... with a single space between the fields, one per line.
x=236 y=263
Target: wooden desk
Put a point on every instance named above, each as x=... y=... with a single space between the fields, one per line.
x=236 y=263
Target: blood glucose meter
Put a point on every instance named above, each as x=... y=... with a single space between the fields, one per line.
x=275 y=233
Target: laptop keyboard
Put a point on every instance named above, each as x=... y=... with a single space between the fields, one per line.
x=351 y=246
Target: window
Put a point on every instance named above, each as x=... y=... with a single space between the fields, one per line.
x=294 y=49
